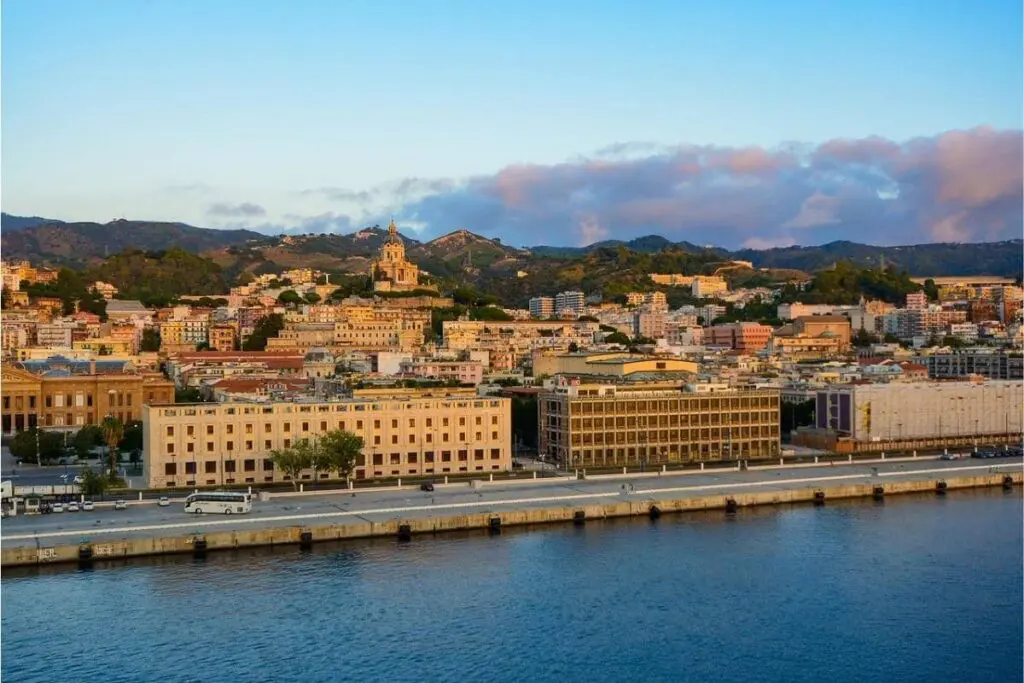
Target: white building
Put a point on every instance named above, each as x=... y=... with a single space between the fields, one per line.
x=542 y=307
x=570 y=301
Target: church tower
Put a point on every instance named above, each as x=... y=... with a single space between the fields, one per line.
x=392 y=272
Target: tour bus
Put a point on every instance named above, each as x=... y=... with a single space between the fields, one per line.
x=219 y=502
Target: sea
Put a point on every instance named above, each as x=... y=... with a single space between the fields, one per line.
x=915 y=588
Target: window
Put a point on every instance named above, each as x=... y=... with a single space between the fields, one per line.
x=494 y=419
x=478 y=454
x=444 y=422
x=430 y=438
x=210 y=467
x=462 y=422
x=268 y=465
x=170 y=469
x=495 y=454
x=267 y=444
x=430 y=422
x=190 y=430
x=478 y=436
x=428 y=456
x=287 y=443
x=478 y=420
x=323 y=426
x=394 y=438
x=305 y=426
x=376 y=424
x=267 y=428
x=229 y=465
x=446 y=456
x=462 y=436
x=359 y=424
x=209 y=447
x=494 y=436
x=250 y=465
x=170 y=449
x=287 y=427
x=411 y=458
x=444 y=437
x=463 y=455
x=378 y=458
x=412 y=423
x=248 y=445
x=341 y=425
x=376 y=440
x=394 y=424
x=396 y=458
x=170 y=431
x=88 y=400
x=190 y=468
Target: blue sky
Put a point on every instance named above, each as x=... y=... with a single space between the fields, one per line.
x=223 y=113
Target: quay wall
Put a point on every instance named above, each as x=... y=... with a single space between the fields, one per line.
x=651 y=505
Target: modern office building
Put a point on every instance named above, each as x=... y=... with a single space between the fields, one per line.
x=413 y=434
x=615 y=425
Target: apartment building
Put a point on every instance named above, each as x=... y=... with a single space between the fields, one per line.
x=605 y=425
x=746 y=336
x=649 y=323
x=56 y=335
x=223 y=337
x=542 y=307
x=470 y=334
x=706 y=286
x=569 y=302
x=464 y=372
x=415 y=434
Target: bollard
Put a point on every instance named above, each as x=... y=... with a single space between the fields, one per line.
x=305 y=539
x=535 y=474
x=140 y=495
x=404 y=532
x=730 y=505
x=849 y=458
x=940 y=487
x=883 y=455
x=623 y=470
x=85 y=553
x=913 y=454
x=878 y=492
x=494 y=525
x=250 y=490
x=399 y=482
x=579 y=518
x=654 y=512
x=702 y=467
x=664 y=468
x=446 y=478
x=492 y=476
x=815 y=460
x=819 y=498
x=1007 y=482
x=302 y=488
x=781 y=462
x=351 y=484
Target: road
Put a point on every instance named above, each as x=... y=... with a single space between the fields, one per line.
x=148 y=519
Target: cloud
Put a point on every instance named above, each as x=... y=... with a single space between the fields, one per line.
x=188 y=188
x=959 y=185
x=243 y=210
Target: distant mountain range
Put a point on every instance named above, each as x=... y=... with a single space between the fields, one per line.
x=462 y=252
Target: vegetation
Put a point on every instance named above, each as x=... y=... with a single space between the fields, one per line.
x=150 y=339
x=846 y=283
x=617 y=338
x=27 y=444
x=86 y=439
x=157 y=278
x=94 y=484
x=311 y=297
x=289 y=297
x=336 y=451
x=266 y=327
x=758 y=310
x=524 y=421
x=793 y=415
x=113 y=432
x=188 y=395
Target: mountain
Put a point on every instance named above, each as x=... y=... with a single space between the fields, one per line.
x=9 y=222
x=647 y=244
x=950 y=258
x=462 y=252
x=81 y=244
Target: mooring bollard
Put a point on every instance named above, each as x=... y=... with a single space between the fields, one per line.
x=702 y=467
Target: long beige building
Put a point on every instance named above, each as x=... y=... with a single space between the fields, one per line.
x=598 y=425
x=405 y=435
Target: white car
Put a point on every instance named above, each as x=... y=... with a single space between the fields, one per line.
x=57 y=507
x=87 y=506
x=164 y=502
x=72 y=506
x=79 y=480
x=120 y=505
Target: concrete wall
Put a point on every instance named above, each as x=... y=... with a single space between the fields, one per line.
x=187 y=544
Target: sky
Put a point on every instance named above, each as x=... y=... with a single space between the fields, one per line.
x=755 y=123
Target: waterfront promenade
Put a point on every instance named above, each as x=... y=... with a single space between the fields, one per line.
x=464 y=505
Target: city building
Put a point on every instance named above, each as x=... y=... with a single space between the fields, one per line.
x=408 y=434
x=463 y=372
x=569 y=302
x=223 y=337
x=607 y=365
x=542 y=307
x=873 y=413
x=672 y=279
x=63 y=393
x=649 y=323
x=745 y=336
x=601 y=425
x=707 y=286
x=916 y=301
x=991 y=364
x=391 y=272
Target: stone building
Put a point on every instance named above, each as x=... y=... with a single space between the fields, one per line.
x=391 y=272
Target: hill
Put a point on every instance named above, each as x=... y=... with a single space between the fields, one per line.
x=82 y=244
x=10 y=223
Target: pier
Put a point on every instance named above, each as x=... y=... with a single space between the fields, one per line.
x=146 y=529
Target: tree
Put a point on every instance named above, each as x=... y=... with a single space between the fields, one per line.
x=931 y=290
x=5 y=298
x=288 y=297
x=617 y=338
x=862 y=338
x=291 y=462
x=132 y=438
x=86 y=439
x=150 y=339
x=188 y=395
x=311 y=297
x=113 y=431
x=93 y=484
x=341 y=451
x=266 y=327
x=27 y=444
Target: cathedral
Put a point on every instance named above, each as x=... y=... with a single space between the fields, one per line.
x=391 y=272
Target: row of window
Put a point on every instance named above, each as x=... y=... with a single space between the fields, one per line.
x=668 y=453
x=358 y=407
x=692 y=405
x=668 y=436
x=286 y=426
x=674 y=420
x=78 y=400
x=249 y=444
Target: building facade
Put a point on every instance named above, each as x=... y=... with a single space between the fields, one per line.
x=746 y=337
x=569 y=302
x=391 y=271
x=595 y=425
x=998 y=365
x=414 y=435
x=542 y=307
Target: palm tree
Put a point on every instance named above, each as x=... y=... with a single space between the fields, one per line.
x=113 y=432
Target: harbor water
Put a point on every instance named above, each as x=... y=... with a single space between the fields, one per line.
x=917 y=588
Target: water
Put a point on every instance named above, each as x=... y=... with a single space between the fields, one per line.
x=915 y=589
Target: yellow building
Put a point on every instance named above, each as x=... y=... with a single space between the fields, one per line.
x=595 y=425
x=223 y=337
x=105 y=346
x=403 y=435
x=607 y=364
x=391 y=272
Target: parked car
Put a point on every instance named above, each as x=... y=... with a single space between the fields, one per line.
x=57 y=507
x=164 y=502
x=72 y=507
x=120 y=505
x=79 y=480
x=87 y=506
x=427 y=486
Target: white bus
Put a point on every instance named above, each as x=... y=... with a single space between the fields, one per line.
x=219 y=502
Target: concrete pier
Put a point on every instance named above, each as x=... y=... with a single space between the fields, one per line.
x=197 y=536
